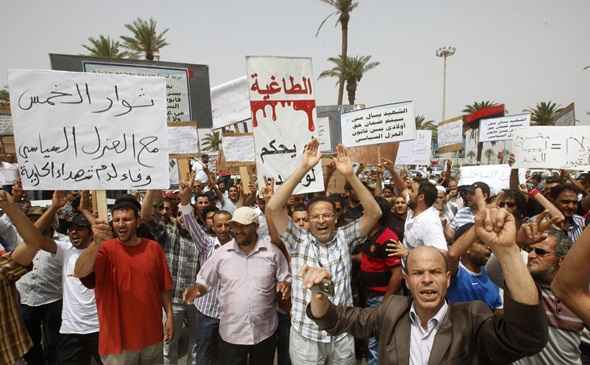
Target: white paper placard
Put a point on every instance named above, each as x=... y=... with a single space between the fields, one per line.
x=379 y=124
x=6 y=125
x=416 y=152
x=89 y=131
x=501 y=129
x=238 y=148
x=450 y=133
x=496 y=176
x=552 y=147
x=8 y=173
x=324 y=134
x=183 y=140
x=283 y=111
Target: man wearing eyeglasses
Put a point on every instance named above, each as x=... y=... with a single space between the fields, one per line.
x=565 y=328
x=325 y=246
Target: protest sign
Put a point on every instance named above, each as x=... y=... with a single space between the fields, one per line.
x=239 y=148
x=417 y=151
x=183 y=140
x=501 y=129
x=6 y=125
x=89 y=131
x=379 y=124
x=283 y=118
x=188 y=93
x=552 y=147
x=324 y=134
x=229 y=102
x=450 y=133
x=496 y=176
x=8 y=173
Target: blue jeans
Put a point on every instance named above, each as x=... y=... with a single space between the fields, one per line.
x=373 y=359
x=205 y=349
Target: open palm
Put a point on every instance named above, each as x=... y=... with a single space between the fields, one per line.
x=343 y=161
x=311 y=155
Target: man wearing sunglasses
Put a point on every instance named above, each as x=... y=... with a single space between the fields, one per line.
x=565 y=328
x=466 y=214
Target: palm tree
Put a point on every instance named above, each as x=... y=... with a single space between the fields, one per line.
x=145 y=38
x=4 y=96
x=470 y=155
x=543 y=113
x=478 y=105
x=343 y=10
x=105 y=47
x=350 y=71
x=212 y=142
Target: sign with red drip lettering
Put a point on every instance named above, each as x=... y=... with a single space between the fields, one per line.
x=283 y=110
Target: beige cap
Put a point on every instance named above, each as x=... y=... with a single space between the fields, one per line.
x=245 y=216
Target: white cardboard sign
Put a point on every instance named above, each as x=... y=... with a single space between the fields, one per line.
x=501 y=129
x=496 y=176
x=415 y=152
x=379 y=124
x=76 y=130
x=450 y=133
x=238 y=148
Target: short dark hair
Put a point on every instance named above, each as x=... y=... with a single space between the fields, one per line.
x=127 y=202
x=299 y=208
x=485 y=189
x=222 y=212
x=319 y=199
x=556 y=190
x=429 y=191
x=202 y=195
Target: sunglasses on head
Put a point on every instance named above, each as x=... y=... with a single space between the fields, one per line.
x=538 y=251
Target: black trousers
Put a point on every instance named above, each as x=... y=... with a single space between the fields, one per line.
x=260 y=354
x=75 y=349
x=43 y=323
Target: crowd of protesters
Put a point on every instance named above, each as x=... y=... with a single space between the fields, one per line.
x=398 y=269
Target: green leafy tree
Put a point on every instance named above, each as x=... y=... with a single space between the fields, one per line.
x=145 y=38
x=350 y=71
x=4 y=96
x=422 y=123
x=212 y=142
x=478 y=105
x=105 y=47
x=343 y=10
x=544 y=112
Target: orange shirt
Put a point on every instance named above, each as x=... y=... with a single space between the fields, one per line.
x=129 y=284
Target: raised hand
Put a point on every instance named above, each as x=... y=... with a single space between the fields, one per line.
x=101 y=231
x=312 y=276
x=395 y=248
x=269 y=189
x=343 y=161
x=494 y=227
x=5 y=198
x=284 y=288
x=186 y=192
x=311 y=154
x=58 y=199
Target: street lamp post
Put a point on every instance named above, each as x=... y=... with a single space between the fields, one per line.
x=445 y=52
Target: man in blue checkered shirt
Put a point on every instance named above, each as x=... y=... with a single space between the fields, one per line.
x=324 y=246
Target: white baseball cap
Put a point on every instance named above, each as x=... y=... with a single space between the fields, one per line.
x=245 y=216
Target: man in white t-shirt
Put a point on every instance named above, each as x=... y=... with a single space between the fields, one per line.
x=78 y=340
x=423 y=226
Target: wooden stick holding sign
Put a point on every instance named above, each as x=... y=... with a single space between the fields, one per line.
x=99 y=204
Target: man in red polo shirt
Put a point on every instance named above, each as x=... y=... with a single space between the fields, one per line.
x=132 y=285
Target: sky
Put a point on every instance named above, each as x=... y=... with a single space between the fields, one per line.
x=513 y=52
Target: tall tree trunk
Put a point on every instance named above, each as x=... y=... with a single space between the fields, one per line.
x=344 y=18
x=351 y=91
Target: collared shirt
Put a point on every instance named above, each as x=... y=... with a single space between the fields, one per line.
x=334 y=256
x=208 y=304
x=421 y=339
x=247 y=290
x=464 y=216
x=424 y=229
x=182 y=254
x=14 y=339
x=43 y=285
x=576 y=227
